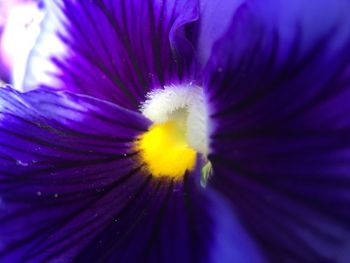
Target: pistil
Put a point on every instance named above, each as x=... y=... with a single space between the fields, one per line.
x=179 y=132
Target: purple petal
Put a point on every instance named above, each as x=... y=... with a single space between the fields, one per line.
x=114 y=50
x=71 y=188
x=235 y=244
x=279 y=94
x=4 y=72
x=174 y=223
x=65 y=161
x=209 y=28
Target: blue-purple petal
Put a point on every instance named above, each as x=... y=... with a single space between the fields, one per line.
x=176 y=222
x=65 y=161
x=278 y=89
x=113 y=50
x=214 y=20
x=72 y=189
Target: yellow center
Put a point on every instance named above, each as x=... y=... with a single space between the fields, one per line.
x=164 y=150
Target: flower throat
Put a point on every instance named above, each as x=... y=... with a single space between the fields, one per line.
x=179 y=131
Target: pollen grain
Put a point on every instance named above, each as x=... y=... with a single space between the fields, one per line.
x=164 y=150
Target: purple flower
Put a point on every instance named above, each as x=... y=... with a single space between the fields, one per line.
x=180 y=131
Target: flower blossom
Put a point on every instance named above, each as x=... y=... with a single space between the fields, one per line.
x=180 y=131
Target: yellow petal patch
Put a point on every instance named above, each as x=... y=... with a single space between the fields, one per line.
x=165 y=151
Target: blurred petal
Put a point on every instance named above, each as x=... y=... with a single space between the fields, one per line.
x=114 y=50
x=19 y=28
x=209 y=28
x=233 y=241
x=4 y=73
x=279 y=96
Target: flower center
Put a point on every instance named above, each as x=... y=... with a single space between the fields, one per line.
x=178 y=133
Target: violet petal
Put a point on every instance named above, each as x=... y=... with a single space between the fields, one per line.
x=278 y=90
x=113 y=50
x=72 y=189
